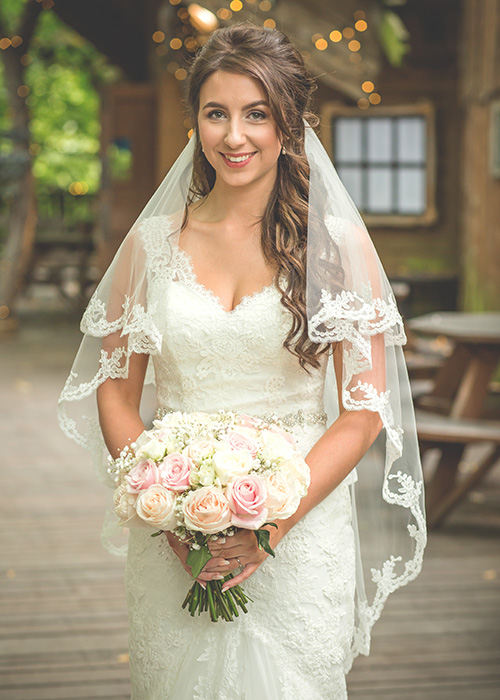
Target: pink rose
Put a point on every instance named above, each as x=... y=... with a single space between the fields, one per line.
x=174 y=472
x=142 y=476
x=248 y=421
x=206 y=510
x=247 y=501
x=284 y=433
x=242 y=442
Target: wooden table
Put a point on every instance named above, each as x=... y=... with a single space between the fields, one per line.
x=457 y=401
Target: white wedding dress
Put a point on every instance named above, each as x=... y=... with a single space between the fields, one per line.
x=295 y=640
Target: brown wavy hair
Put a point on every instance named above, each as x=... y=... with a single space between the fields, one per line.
x=268 y=56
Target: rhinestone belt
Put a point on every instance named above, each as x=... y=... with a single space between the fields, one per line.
x=290 y=420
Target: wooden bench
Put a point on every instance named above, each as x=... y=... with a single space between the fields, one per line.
x=451 y=435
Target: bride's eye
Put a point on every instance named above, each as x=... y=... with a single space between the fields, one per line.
x=215 y=114
x=257 y=116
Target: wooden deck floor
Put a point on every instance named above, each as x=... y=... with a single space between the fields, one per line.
x=63 y=626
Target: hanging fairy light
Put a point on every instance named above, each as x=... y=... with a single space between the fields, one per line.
x=202 y=19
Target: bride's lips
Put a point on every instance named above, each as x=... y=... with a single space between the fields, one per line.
x=240 y=164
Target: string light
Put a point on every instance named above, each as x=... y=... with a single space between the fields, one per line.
x=172 y=67
x=48 y=4
x=26 y=59
x=16 y=41
x=270 y=23
x=236 y=5
x=336 y=36
x=368 y=86
x=23 y=91
x=348 y=33
x=175 y=43
x=359 y=14
x=4 y=312
x=202 y=19
x=5 y=43
x=224 y=13
x=355 y=58
x=158 y=37
x=354 y=45
x=375 y=98
x=321 y=44
x=191 y=44
x=183 y=14
x=265 y=5
x=181 y=74
x=175 y=2
x=363 y=103
x=361 y=25
x=161 y=50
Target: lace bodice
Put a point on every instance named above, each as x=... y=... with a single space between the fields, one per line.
x=213 y=359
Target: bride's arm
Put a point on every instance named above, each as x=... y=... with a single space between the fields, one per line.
x=330 y=460
x=118 y=402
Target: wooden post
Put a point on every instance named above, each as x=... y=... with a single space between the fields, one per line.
x=480 y=87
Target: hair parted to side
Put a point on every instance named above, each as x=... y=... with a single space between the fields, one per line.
x=268 y=56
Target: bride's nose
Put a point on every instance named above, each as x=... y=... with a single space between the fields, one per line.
x=235 y=136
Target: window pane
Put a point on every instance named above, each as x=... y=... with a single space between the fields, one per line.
x=379 y=190
x=411 y=191
x=348 y=140
x=379 y=140
x=352 y=180
x=411 y=140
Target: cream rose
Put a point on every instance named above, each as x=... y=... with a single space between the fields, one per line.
x=156 y=506
x=206 y=510
x=204 y=476
x=230 y=463
x=274 y=446
x=299 y=470
x=283 y=497
x=124 y=503
x=201 y=449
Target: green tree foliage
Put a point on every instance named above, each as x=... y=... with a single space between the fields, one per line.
x=64 y=73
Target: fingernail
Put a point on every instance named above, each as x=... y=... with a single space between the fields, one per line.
x=225 y=589
x=203 y=585
x=225 y=561
x=218 y=577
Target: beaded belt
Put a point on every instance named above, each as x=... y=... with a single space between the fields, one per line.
x=290 y=420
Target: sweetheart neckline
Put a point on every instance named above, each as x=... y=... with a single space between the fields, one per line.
x=209 y=294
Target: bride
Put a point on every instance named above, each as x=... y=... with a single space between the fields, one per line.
x=251 y=283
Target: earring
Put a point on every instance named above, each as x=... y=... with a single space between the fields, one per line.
x=283 y=151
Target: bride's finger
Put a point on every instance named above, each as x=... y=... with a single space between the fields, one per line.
x=248 y=570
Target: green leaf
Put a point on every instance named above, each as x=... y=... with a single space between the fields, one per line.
x=263 y=540
x=197 y=558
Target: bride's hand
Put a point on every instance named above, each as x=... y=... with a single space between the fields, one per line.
x=241 y=549
x=209 y=573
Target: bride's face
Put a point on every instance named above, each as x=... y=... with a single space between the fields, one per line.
x=237 y=130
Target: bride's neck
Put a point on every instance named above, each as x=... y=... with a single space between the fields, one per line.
x=236 y=206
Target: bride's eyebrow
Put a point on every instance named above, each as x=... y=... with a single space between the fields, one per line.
x=217 y=105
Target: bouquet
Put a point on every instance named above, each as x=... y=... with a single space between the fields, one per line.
x=202 y=476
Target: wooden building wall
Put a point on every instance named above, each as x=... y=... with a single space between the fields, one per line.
x=427 y=254
x=480 y=205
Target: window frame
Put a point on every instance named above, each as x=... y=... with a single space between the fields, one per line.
x=425 y=108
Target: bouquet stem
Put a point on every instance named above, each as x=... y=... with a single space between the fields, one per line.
x=212 y=599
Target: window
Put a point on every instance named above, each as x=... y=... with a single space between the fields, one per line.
x=385 y=158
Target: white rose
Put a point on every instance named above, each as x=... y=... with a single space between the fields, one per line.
x=274 y=446
x=230 y=463
x=299 y=470
x=204 y=476
x=156 y=506
x=170 y=420
x=201 y=449
x=283 y=497
x=152 y=449
x=124 y=503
